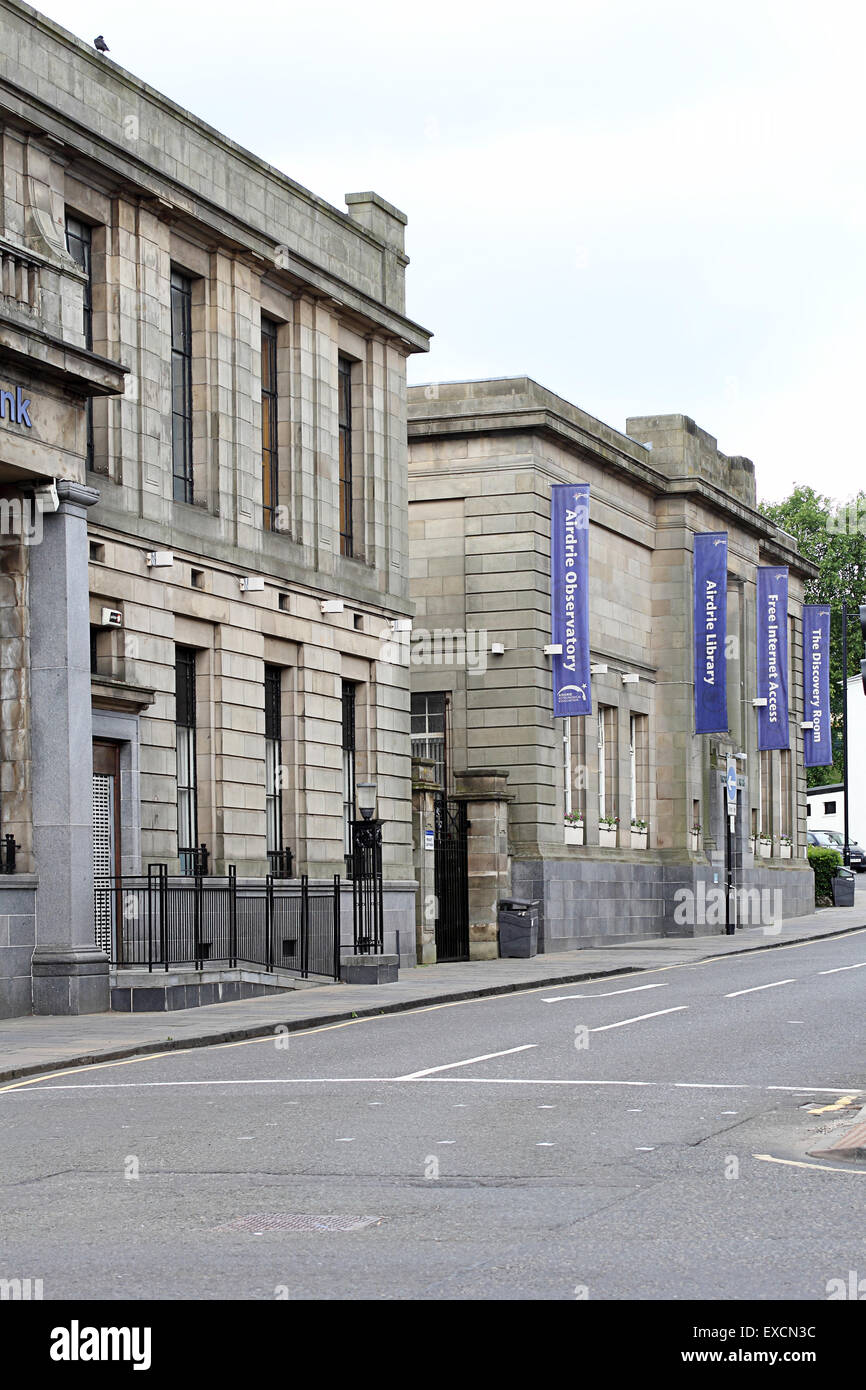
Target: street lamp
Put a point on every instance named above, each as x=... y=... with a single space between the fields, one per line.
x=367 y=888
x=365 y=795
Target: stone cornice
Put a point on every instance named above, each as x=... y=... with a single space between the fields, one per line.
x=76 y=494
x=33 y=350
x=530 y=408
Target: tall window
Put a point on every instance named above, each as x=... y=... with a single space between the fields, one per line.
x=348 y=771
x=574 y=766
x=765 y=818
x=79 y=244
x=428 y=732
x=273 y=760
x=347 y=528
x=187 y=808
x=607 y=763
x=638 y=750
x=785 y=793
x=181 y=386
x=270 y=454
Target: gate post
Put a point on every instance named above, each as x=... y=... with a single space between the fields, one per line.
x=484 y=793
x=423 y=792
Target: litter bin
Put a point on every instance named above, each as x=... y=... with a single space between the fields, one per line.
x=843 y=887
x=518 y=927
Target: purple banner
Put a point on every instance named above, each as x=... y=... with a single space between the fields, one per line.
x=817 y=741
x=569 y=597
x=773 y=656
x=711 y=618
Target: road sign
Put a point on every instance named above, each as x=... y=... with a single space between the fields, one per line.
x=731 y=786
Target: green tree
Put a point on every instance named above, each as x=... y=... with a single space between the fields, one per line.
x=833 y=536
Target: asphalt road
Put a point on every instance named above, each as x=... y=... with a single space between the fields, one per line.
x=636 y=1137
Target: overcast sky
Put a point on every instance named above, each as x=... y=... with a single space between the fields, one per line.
x=647 y=208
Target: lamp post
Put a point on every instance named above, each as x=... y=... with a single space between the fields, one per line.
x=367 y=895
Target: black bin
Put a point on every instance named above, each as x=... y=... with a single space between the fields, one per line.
x=518 y=927
x=843 y=887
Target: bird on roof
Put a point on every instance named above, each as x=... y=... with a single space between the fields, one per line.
x=100 y=44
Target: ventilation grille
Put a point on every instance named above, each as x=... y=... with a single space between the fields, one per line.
x=102 y=857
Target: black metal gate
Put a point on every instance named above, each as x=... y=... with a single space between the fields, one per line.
x=451 y=879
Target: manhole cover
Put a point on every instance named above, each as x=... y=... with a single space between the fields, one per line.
x=258 y=1222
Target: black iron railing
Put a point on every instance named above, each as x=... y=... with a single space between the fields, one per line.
x=281 y=863
x=194 y=862
x=367 y=888
x=156 y=920
x=8 y=847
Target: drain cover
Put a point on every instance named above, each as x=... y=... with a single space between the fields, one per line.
x=258 y=1222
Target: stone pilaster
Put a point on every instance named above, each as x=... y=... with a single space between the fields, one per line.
x=70 y=975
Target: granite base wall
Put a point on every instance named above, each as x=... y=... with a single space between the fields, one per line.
x=602 y=902
x=156 y=997
x=17 y=940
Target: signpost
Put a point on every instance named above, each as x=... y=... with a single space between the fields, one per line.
x=731 y=808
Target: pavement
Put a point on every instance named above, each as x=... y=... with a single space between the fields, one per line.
x=35 y=1044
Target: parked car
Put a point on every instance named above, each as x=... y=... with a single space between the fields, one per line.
x=831 y=839
x=821 y=839
x=856 y=855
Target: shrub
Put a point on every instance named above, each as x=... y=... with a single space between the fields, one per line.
x=824 y=864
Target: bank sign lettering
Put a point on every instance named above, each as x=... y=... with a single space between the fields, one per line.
x=569 y=597
x=773 y=657
x=15 y=407
x=711 y=617
x=817 y=742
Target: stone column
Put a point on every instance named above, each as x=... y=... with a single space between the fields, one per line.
x=423 y=792
x=486 y=798
x=70 y=974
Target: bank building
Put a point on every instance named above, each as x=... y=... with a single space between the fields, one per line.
x=203 y=486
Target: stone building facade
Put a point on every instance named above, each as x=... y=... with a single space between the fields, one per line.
x=213 y=453
x=483 y=457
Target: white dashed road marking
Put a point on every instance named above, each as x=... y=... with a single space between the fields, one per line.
x=608 y=994
x=639 y=1019
x=446 y=1066
x=756 y=988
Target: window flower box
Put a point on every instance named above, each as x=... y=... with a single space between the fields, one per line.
x=785 y=848
x=765 y=846
x=607 y=831
x=695 y=837
x=574 y=832
x=639 y=834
